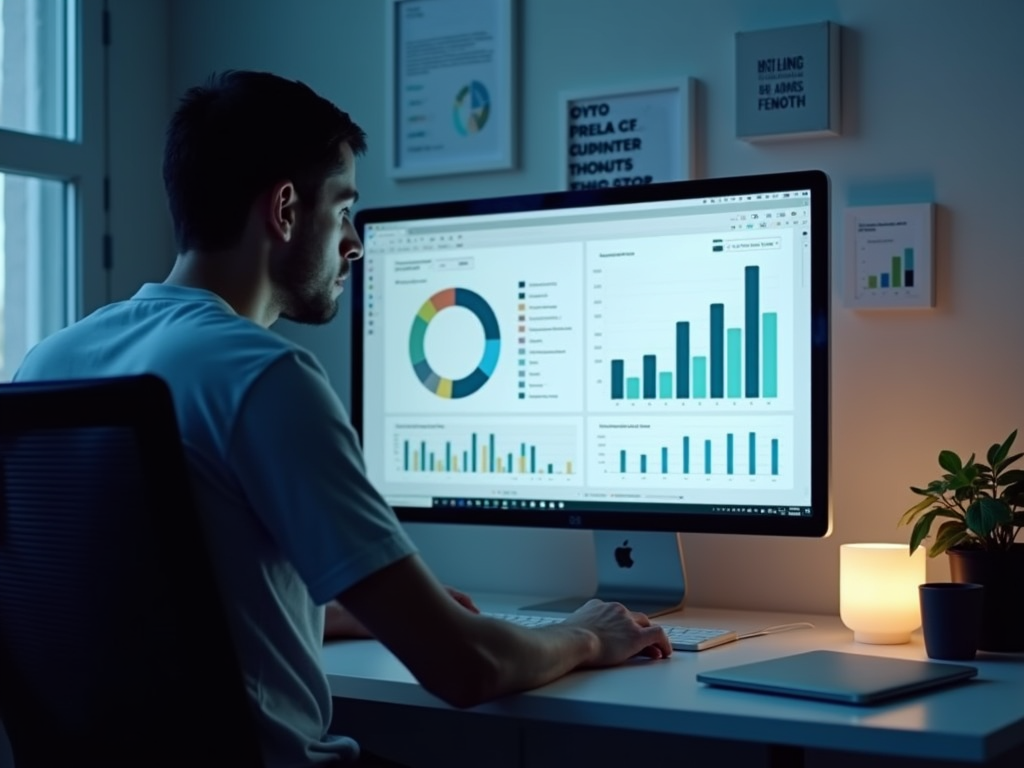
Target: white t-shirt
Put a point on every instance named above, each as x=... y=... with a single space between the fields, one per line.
x=291 y=519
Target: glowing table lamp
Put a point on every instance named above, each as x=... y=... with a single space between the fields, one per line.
x=878 y=596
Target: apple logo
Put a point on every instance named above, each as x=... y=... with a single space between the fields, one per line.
x=623 y=555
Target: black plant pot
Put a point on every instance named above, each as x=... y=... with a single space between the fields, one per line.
x=1002 y=574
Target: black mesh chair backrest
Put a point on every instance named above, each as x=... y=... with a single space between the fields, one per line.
x=114 y=647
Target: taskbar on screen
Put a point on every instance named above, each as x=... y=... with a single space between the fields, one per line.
x=449 y=502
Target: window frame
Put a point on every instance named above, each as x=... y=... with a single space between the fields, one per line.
x=80 y=162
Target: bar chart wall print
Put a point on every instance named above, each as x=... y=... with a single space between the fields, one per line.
x=710 y=334
x=889 y=256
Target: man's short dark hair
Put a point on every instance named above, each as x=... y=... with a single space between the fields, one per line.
x=234 y=138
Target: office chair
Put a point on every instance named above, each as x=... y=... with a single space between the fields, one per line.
x=114 y=647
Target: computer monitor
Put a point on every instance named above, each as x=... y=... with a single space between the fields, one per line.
x=639 y=361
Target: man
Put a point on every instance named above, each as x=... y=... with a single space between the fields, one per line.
x=260 y=180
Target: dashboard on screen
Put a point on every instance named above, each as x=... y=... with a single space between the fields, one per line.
x=648 y=358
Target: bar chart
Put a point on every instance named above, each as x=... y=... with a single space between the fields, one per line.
x=692 y=451
x=900 y=274
x=743 y=362
x=890 y=256
x=709 y=333
x=505 y=449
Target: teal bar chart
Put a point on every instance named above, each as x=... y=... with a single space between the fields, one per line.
x=690 y=450
x=742 y=362
x=715 y=457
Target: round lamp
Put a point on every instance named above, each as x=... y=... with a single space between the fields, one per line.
x=878 y=596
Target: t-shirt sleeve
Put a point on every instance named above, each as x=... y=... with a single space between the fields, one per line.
x=298 y=458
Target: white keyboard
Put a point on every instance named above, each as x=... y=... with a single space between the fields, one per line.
x=681 y=638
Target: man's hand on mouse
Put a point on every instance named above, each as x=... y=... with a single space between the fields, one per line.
x=621 y=633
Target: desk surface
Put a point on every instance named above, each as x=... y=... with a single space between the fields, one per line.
x=976 y=721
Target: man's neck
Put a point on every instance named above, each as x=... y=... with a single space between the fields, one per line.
x=231 y=276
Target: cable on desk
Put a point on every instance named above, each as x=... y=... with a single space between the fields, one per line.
x=777 y=628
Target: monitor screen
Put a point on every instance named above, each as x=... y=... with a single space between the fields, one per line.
x=650 y=358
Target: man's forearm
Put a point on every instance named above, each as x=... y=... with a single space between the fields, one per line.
x=465 y=658
x=542 y=655
x=598 y=634
x=339 y=623
x=502 y=658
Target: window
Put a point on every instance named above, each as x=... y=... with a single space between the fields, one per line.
x=38 y=67
x=52 y=219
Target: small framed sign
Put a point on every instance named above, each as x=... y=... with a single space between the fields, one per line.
x=788 y=82
x=889 y=258
x=627 y=137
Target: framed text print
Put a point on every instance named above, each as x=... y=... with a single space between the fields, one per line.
x=788 y=82
x=622 y=138
x=450 y=75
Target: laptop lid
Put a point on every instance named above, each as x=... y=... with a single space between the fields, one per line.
x=849 y=678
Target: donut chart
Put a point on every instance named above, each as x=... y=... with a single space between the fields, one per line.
x=472 y=108
x=440 y=301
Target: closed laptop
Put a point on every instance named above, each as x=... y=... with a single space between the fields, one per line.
x=849 y=678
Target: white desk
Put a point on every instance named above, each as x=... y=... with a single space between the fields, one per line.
x=658 y=710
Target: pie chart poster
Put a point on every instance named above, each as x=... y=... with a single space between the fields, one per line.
x=452 y=86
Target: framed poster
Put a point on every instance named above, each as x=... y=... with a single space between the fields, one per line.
x=788 y=82
x=618 y=138
x=890 y=261
x=451 y=86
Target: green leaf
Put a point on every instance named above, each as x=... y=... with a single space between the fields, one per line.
x=1014 y=494
x=1011 y=476
x=993 y=454
x=908 y=517
x=999 y=467
x=921 y=530
x=939 y=547
x=949 y=535
x=924 y=524
x=964 y=494
x=951 y=525
x=1003 y=450
x=950 y=462
x=986 y=514
x=961 y=480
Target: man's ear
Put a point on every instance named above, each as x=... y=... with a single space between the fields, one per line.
x=281 y=210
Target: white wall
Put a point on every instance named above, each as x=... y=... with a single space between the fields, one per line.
x=143 y=248
x=932 y=112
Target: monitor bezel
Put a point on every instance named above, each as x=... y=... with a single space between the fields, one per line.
x=817 y=524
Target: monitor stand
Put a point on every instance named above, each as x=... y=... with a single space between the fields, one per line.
x=643 y=571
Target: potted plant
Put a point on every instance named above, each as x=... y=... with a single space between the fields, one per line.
x=979 y=510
